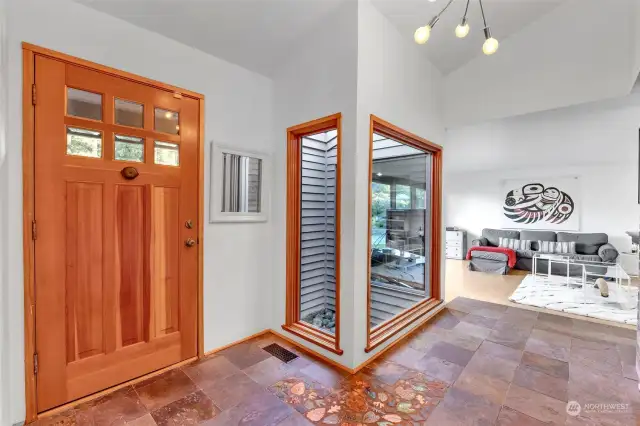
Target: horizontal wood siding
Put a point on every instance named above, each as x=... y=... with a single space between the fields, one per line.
x=330 y=285
x=317 y=274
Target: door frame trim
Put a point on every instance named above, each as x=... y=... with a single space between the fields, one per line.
x=29 y=51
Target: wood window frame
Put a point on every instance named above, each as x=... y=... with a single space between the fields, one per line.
x=383 y=332
x=294 y=183
x=29 y=52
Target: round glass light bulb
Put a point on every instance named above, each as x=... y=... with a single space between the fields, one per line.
x=422 y=34
x=462 y=30
x=490 y=46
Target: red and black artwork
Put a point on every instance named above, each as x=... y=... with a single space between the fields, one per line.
x=533 y=203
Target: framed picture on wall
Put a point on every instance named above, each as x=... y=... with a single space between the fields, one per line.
x=239 y=188
x=542 y=203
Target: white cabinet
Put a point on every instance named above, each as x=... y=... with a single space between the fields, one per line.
x=456 y=244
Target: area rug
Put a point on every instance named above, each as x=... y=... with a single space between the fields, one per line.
x=553 y=293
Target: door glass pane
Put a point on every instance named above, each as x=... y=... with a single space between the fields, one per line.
x=166 y=153
x=167 y=121
x=129 y=148
x=400 y=224
x=84 y=104
x=317 y=233
x=84 y=143
x=241 y=178
x=129 y=113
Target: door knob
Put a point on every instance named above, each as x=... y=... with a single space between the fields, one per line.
x=190 y=242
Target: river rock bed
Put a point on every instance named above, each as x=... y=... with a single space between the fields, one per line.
x=324 y=319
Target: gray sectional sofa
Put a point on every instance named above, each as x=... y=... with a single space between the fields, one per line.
x=589 y=247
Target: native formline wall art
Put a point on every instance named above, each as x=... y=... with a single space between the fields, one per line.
x=542 y=204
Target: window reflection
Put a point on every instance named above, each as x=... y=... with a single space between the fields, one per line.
x=166 y=121
x=400 y=220
x=241 y=183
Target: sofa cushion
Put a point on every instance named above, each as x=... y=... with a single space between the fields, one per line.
x=585 y=243
x=526 y=254
x=493 y=235
x=560 y=247
x=479 y=242
x=488 y=255
x=536 y=236
x=514 y=244
x=608 y=253
x=586 y=257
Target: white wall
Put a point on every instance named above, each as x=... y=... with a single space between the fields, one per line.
x=397 y=84
x=597 y=142
x=238 y=111
x=582 y=51
x=4 y=337
x=636 y=39
x=317 y=79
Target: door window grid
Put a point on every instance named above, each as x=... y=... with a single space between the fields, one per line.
x=88 y=143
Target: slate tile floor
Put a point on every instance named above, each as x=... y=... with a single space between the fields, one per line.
x=476 y=363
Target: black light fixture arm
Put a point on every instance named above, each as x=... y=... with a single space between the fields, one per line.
x=464 y=18
x=484 y=19
x=436 y=18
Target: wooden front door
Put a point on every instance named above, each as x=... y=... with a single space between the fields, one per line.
x=116 y=217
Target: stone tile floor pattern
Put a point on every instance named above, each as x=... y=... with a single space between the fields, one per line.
x=476 y=363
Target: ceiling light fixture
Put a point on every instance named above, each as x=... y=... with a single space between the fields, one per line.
x=422 y=34
x=462 y=30
x=490 y=46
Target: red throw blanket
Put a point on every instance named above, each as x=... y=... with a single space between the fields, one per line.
x=511 y=254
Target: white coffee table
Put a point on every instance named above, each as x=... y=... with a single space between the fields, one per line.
x=550 y=258
x=618 y=280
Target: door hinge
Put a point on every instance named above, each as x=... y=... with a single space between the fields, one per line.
x=34 y=230
x=35 y=363
x=33 y=94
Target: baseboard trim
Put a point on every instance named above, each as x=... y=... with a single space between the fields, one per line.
x=237 y=342
x=57 y=410
x=315 y=354
x=312 y=352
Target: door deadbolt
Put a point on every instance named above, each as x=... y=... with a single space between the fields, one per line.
x=188 y=224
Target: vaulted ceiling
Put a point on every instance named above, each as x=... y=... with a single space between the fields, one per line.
x=444 y=49
x=256 y=34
